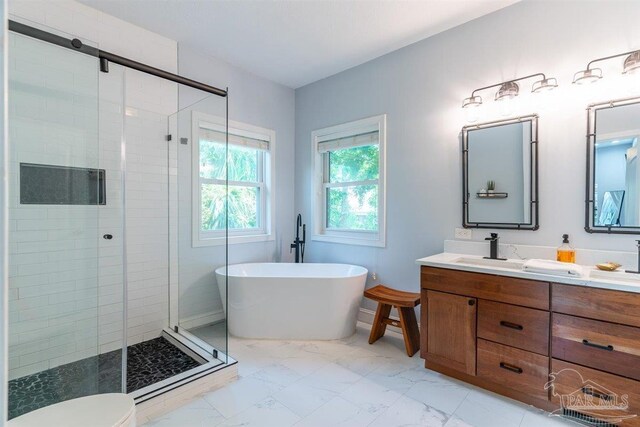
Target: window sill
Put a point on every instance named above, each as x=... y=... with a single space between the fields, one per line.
x=233 y=240
x=346 y=240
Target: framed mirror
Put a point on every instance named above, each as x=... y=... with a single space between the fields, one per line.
x=500 y=174
x=613 y=171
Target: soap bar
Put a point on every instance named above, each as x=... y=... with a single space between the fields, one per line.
x=608 y=266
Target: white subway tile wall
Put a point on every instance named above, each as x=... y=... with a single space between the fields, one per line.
x=148 y=105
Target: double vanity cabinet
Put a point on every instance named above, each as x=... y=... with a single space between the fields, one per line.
x=547 y=344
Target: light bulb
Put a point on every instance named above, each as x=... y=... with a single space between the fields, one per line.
x=472 y=114
x=506 y=106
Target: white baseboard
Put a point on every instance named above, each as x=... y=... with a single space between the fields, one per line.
x=202 y=319
x=366 y=316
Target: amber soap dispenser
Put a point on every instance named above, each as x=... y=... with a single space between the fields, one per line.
x=565 y=252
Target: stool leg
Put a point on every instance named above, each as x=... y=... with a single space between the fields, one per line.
x=378 y=327
x=410 y=330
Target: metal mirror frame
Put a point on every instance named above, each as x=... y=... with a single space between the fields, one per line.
x=534 y=214
x=589 y=225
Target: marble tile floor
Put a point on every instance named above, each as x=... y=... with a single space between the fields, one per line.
x=346 y=383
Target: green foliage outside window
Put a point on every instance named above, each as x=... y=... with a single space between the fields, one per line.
x=244 y=201
x=353 y=207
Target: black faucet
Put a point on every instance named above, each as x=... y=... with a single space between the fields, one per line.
x=493 y=248
x=638 y=270
x=298 y=244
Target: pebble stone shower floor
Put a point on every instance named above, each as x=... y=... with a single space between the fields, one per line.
x=148 y=362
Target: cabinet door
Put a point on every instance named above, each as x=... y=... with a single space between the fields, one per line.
x=451 y=331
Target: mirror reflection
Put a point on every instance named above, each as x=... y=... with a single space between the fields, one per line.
x=499 y=178
x=615 y=193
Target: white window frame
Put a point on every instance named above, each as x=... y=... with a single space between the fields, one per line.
x=266 y=169
x=320 y=170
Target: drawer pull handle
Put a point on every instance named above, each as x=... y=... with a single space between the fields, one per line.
x=511 y=368
x=596 y=393
x=511 y=325
x=601 y=347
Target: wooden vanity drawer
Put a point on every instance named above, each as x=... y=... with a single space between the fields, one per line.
x=602 y=345
x=572 y=385
x=521 y=327
x=514 y=368
x=528 y=293
x=601 y=304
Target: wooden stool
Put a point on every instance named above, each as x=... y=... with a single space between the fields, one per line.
x=404 y=302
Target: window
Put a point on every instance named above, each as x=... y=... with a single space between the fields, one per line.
x=248 y=163
x=349 y=202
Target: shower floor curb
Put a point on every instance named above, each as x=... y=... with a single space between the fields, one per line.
x=182 y=394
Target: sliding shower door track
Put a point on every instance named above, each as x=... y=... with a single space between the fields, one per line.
x=209 y=366
x=205 y=346
x=106 y=57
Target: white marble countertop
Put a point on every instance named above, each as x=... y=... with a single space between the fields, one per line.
x=617 y=280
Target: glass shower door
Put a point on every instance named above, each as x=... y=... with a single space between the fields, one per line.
x=65 y=239
x=198 y=204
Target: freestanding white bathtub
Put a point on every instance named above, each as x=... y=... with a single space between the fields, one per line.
x=292 y=301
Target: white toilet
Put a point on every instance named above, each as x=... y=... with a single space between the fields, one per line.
x=100 y=410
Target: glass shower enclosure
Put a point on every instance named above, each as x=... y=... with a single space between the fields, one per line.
x=199 y=196
x=102 y=290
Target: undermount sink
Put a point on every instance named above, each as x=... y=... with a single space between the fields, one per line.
x=485 y=262
x=615 y=275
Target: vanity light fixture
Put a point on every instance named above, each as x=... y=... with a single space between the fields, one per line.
x=510 y=89
x=544 y=85
x=632 y=63
x=591 y=75
x=474 y=101
x=587 y=76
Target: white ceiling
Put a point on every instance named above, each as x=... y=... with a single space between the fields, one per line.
x=297 y=42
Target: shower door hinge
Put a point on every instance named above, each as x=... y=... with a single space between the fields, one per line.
x=168 y=137
x=175 y=329
x=215 y=353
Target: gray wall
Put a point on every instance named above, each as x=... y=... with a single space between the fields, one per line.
x=421 y=88
x=256 y=101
